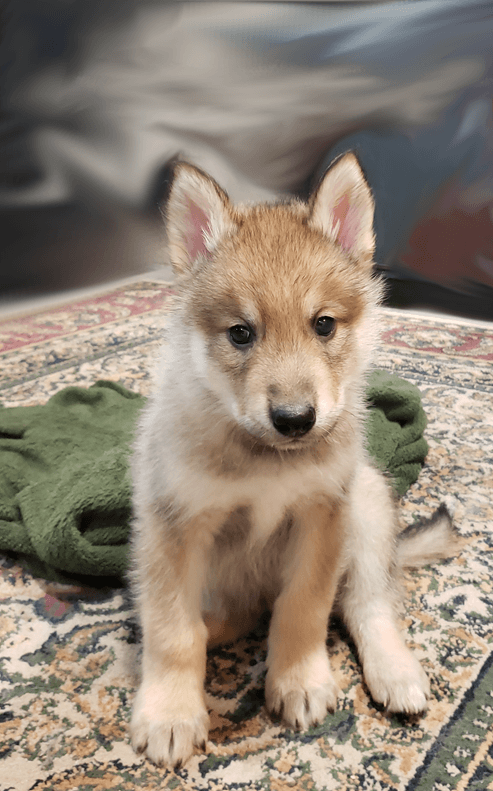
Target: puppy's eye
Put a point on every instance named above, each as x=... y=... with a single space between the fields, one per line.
x=325 y=326
x=240 y=335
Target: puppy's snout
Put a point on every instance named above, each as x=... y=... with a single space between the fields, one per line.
x=293 y=422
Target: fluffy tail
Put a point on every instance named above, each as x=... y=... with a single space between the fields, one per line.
x=428 y=540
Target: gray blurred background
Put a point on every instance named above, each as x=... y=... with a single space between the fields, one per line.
x=98 y=98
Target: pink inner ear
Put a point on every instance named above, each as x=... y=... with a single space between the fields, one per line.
x=197 y=223
x=347 y=216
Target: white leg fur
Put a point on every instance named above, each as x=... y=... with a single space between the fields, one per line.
x=169 y=717
x=393 y=675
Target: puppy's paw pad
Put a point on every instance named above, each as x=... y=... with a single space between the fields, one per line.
x=301 y=706
x=168 y=738
x=401 y=688
x=409 y=696
x=169 y=744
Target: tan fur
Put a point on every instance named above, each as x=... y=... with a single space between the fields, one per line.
x=236 y=506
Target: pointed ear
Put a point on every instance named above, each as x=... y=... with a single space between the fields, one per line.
x=197 y=216
x=343 y=208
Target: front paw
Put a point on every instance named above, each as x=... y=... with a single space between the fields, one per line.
x=302 y=694
x=168 y=726
x=401 y=685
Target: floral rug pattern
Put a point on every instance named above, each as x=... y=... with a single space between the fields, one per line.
x=68 y=656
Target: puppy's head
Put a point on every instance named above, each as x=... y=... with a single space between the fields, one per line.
x=277 y=300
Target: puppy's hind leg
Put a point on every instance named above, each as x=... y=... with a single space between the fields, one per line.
x=369 y=600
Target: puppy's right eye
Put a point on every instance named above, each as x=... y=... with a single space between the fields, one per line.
x=240 y=335
x=325 y=326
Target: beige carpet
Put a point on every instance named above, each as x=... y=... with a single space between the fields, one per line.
x=67 y=657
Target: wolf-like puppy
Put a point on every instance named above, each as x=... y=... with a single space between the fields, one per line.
x=252 y=485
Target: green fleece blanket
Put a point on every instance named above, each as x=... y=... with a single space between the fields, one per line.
x=65 y=485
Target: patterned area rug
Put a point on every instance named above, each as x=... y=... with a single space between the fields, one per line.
x=68 y=655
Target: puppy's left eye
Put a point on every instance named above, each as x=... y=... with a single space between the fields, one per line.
x=325 y=326
x=240 y=335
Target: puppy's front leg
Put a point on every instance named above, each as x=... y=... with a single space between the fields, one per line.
x=169 y=715
x=393 y=674
x=299 y=685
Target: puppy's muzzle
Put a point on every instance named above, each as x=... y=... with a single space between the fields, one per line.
x=294 y=422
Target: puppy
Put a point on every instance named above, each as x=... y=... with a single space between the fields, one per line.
x=252 y=485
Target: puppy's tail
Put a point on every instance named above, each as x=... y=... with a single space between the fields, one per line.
x=428 y=540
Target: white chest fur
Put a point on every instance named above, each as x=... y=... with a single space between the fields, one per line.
x=268 y=494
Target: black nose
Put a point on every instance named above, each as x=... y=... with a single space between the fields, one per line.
x=293 y=423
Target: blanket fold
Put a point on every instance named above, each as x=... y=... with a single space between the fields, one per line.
x=394 y=428
x=64 y=473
